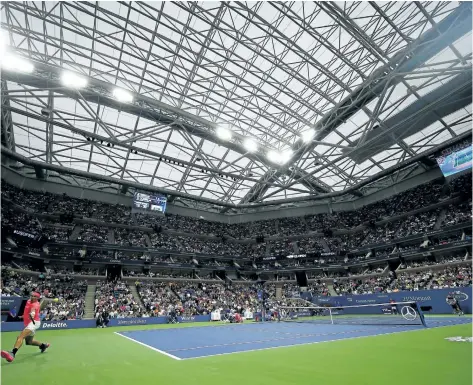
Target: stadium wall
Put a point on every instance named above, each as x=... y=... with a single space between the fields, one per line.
x=433 y=299
x=81 y=324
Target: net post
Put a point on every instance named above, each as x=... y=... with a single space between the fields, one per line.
x=421 y=314
x=392 y=313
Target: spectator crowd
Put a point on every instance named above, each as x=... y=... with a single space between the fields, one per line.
x=27 y=210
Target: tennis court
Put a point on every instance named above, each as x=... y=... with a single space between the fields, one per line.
x=201 y=342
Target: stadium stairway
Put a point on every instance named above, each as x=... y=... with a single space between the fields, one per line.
x=75 y=233
x=267 y=251
x=136 y=296
x=89 y=308
x=306 y=225
x=173 y=290
x=440 y=219
x=111 y=236
x=148 y=241
x=324 y=245
x=331 y=290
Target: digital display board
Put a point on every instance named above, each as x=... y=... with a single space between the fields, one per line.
x=455 y=162
x=151 y=202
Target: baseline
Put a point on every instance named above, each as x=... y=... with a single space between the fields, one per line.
x=149 y=346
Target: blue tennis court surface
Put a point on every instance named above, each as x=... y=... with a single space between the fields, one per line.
x=206 y=341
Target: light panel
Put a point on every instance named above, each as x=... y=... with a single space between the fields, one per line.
x=286 y=156
x=308 y=135
x=273 y=156
x=223 y=133
x=250 y=145
x=73 y=80
x=14 y=63
x=122 y=95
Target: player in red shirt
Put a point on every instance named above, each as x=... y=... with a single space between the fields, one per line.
x=32 y=323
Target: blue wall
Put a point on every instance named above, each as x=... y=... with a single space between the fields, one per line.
x=10 y=302
x=433 y=298
x=79 y=324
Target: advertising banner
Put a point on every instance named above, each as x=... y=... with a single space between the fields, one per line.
x=11 y=304
x=79 y=324
x=433 y=301
x=50 y=325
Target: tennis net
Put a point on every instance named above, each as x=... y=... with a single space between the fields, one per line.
x=395 y=313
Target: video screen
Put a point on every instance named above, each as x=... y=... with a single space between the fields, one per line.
x=152 y=202
x=455 y=162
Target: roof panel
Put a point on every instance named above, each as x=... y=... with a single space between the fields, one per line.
x=252 y=71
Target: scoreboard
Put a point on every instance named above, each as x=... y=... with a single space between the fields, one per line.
x=151 y=202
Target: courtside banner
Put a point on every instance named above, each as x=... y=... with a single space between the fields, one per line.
x=156 y=320
x=50 y=325
x=433 y=300
x=11 y=303
x=80 y=324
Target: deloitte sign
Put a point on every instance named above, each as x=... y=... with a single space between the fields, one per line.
x=54 y=325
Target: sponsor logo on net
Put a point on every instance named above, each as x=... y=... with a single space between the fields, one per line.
x=47 y=325
x=460 y=339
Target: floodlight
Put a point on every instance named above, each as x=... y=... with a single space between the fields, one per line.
x=73 y=80
x=279 y=157
x=286 y=156
x=223 y=133
x=308 y=135
x=250 y=145
x=14 y=63
x=122 y=95
x=273 y=156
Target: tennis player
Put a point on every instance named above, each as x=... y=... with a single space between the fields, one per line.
x=453 y=302
x=32 y=323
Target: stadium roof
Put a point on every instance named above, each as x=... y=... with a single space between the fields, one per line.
x=234 y=103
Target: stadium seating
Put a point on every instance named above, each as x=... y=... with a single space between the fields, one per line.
x=69 y=292
x=116 y=299
x=369 y=229
x=421 y=196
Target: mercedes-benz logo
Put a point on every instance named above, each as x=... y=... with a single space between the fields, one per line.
x=408 y=313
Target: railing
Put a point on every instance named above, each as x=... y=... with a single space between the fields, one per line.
x=456 y=245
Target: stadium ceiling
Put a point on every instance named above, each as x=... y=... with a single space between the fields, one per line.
x=234 y=104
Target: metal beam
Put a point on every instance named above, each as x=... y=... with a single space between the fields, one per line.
x=8 y=137
x=437 y=104
x=433 y=41
x=64 y=170
x=153 y=154
x=50 y=129
x=48 y=77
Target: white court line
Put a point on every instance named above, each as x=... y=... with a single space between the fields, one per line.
x=148 y=346
x=318 y=342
